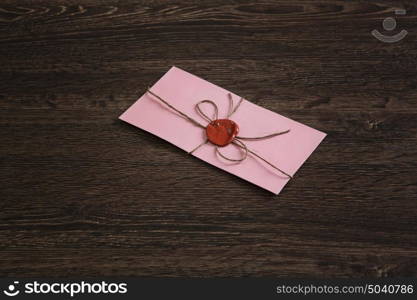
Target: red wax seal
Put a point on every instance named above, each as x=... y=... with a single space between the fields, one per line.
x=222 y=132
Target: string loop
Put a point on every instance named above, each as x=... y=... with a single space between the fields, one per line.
x=232 y=109
x=202 y=114
x=241 y=145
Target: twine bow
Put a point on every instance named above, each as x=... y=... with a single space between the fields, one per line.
x=237 y=140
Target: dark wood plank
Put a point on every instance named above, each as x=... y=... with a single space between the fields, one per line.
x=85 y=194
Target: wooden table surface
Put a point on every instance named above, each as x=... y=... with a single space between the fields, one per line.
x=82 y=193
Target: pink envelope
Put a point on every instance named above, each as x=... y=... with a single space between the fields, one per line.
x=183 y=90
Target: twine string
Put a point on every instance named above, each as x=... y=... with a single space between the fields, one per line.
x=231 y=109
x=267 y=162
x=263 y=137
x=203 y=115
x=231 y=105
x=196 y=148
x=176 y=110
x=239 y=144
x=236 y=141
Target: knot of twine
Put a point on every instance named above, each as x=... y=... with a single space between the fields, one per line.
x=237 y=141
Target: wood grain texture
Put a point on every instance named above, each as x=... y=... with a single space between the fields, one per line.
x=84 y=194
